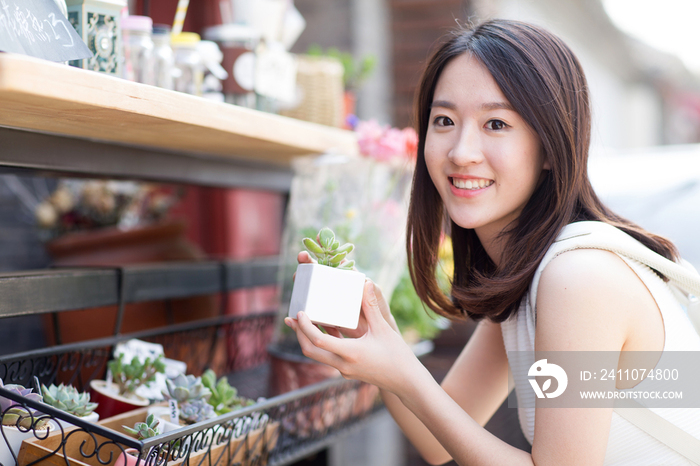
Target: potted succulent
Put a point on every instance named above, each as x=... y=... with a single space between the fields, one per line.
x=142 y=431
x=328 y=291
x=224 y=398
x=191 y=397
x=145 y=430
x=19 y=422
x=68 y=399
x=120 y=395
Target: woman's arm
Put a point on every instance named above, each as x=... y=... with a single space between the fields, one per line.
x=584 y=303
x=383 y=359
x=477 y=382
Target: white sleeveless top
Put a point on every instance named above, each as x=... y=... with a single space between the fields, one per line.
x=627 y=444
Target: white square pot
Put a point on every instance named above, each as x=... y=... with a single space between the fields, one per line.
x=327 y=295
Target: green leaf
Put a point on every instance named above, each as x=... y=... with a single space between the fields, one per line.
x=347 y=265
x=312 y=246
x=326 y=237
x=337 y=259
x=347 y=247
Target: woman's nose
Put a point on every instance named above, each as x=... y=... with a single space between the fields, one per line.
x=467 y=148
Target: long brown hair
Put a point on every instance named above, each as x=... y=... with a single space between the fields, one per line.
x=543 y=81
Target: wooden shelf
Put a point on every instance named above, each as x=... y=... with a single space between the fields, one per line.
x=46 y=97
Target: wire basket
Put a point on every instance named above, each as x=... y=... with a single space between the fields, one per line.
x=320 y=91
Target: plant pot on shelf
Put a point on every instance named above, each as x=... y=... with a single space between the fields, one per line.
x=327 y=295
x=92 y=417
x=110 y=247
x=11 y=439
x=110 y=403
x=291 y=370
x=130 y=458
x=162 y=413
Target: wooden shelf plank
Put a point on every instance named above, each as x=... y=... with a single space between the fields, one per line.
x=37 y=95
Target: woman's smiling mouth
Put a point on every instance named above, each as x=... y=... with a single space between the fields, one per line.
x=472 y=184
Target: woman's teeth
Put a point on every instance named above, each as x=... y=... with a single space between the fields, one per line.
x=471 y=184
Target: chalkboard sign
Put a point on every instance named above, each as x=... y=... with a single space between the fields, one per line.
x=38 y=28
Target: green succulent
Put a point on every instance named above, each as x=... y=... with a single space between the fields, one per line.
x=184 y=388
x=129 y=377
x=144 y=430
x=224 y=398
x=328 y=251
x=68 y=399
x=14 y=414
x=196 y=411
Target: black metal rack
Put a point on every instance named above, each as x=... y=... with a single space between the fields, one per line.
x=276 y=430
x=58 y=120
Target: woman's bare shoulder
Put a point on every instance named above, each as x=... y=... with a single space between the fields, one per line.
x=586 y=300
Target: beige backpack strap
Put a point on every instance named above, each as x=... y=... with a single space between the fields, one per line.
x=662 y=430
x=599 y=235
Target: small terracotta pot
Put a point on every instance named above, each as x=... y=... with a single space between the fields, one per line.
x=110 y=403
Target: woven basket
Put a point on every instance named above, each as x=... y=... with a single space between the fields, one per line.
x=320 y=85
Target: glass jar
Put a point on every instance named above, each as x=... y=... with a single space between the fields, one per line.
x=189 y=70
x=138 y=49
x=163 y=57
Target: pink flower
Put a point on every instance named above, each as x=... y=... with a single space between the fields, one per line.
x=384 y=142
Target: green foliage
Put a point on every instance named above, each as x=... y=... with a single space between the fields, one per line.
x=68 y=399
x=328 y=251
x=144 y=430
x=129 y=377
x=410 y=312
x=355 y=72
x=224 y=398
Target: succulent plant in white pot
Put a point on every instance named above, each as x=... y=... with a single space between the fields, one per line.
x=328 y=291
x=67 y=398
x=192 y=402
x=19 y=422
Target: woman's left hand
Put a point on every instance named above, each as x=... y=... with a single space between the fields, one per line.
x=379 y=356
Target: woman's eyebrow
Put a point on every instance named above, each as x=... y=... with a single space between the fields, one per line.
x=497 y=106
x=444 y=104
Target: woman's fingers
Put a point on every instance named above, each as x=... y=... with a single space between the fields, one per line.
x=384 y=308
x=370 y=305
x=333 y=331
x=314 y=343
x=304 y=258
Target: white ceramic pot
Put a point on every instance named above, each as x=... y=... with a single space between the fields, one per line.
x=92 y=417
x=14 y=439
x=162 y=413
x=327 y=295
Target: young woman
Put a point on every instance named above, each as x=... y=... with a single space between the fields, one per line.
x=504 y=129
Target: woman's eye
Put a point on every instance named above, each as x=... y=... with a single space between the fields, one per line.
x=495 y=125
x=443 y=121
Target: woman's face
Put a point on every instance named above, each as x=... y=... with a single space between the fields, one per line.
x=484 y=160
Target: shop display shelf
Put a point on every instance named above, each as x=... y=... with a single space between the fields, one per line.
x=64 y=119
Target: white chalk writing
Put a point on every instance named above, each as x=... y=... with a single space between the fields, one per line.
x=21 y=23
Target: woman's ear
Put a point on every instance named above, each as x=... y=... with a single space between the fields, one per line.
x=546 y=165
